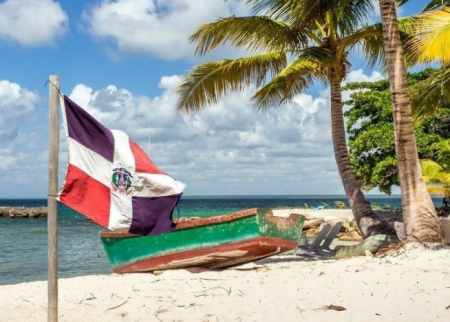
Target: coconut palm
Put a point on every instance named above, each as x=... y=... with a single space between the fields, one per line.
x=294 y=44
x=419 y=215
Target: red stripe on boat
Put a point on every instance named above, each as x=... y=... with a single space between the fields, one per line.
x=86 y=195
x=254 y=249
x=143 y=162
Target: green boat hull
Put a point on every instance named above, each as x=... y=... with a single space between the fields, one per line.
x=210 y=242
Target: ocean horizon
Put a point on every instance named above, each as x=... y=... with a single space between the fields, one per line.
x=24 y=240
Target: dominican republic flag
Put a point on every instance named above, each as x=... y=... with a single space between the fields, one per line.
x=111 y=180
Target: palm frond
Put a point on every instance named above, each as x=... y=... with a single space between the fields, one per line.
x=207 y=82
x=297 y=76
x=296 y=12
x=400 y=3
x=438 y=181
x=346 y=15
x=370 y=38
x=438 y=191
x=435 y=4
x=445 y=179
x=445 y=145
x=257 y=33
x=432 y=37
x=430 y=169
x=349 y=14
x=431 y=93
x=406 y=25
x=277 y=9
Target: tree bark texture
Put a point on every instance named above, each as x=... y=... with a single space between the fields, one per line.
x=419 y=214
x=368 y=222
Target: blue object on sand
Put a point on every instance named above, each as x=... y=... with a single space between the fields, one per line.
x=319 y=207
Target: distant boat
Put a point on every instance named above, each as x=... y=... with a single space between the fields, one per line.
x=214 y=242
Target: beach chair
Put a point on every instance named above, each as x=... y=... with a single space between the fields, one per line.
x=326 y=235
x=331 y=236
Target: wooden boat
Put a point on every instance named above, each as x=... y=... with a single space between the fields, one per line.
x=214 y=242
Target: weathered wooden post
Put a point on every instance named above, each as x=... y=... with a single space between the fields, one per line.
x=52 y=221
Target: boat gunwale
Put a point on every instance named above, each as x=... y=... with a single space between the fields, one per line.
x=193 y=223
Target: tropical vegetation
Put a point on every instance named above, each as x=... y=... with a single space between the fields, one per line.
x=370 y=129
x=429 y=44
x=437 y=173
x=293 y=44
x=419 y=214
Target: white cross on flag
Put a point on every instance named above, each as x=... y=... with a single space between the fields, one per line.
x=111 y=180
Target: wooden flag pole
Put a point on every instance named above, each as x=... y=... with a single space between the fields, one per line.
x=52 y=221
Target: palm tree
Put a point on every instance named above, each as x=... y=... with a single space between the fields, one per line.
x=294 y=43
x=419 y=215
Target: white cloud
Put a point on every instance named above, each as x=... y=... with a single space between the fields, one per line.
x=20 y=142
x=159 y=28
x=229 y=147
x=32 y=23
x=16 y=104
x=359 y=76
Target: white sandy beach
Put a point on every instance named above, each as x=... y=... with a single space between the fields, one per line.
x=412 y=286
x=326 y=214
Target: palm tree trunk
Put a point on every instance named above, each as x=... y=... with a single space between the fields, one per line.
x=419 y=214
x=369 y=224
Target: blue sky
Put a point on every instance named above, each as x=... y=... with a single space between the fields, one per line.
x=121 y=60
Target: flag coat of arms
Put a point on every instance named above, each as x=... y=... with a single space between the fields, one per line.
x=111 y=180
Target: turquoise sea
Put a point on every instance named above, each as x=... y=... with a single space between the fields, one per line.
x=23 y=242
